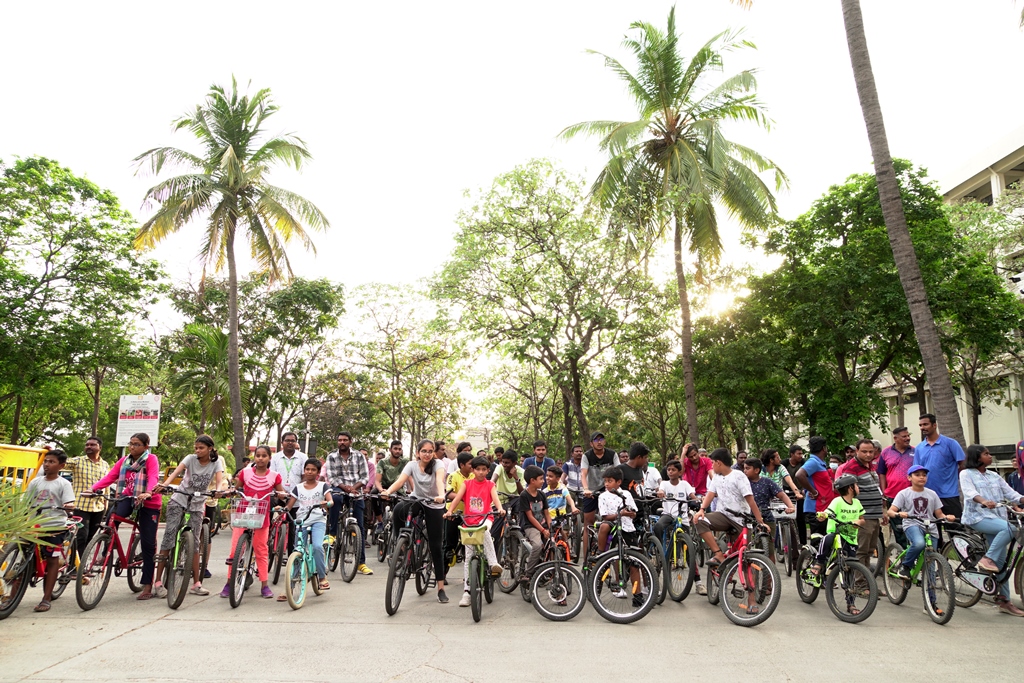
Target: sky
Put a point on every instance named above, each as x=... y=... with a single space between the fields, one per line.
x=406 y=105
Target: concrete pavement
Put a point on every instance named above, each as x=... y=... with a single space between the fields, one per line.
x=345 y=635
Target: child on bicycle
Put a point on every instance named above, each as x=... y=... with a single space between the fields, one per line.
x=764 y=490
x=611 y=500
x=917 y=506
x=681 y=492
x=199 y=470
x=478 y=494
x=536 y=517
x=257 y=481
x=560 y=503
x=312 y=494
x=846 y=511
x=49 y=491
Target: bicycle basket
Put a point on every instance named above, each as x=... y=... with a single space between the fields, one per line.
x=249 y=514
x=473 y=535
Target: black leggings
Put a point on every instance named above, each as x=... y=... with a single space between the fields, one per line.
x=434 y=521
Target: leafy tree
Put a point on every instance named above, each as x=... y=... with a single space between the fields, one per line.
x=524 y=405
x=227 y=188
x=674 y=161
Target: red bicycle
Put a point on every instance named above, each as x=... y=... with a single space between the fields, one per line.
x=24 y=564
x=105 y=555
x=746 y=583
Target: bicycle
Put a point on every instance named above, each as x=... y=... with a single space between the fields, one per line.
x=411 y=556
x=511 y=547
x=786 y=541
x=346 y=546
x=652 y=545
x=680 y=565
x=179 y=561
x=481 y=583
x=301 y=567
x=931 y=570
x=248 y=514
x=385 y=540
x=281 y=531
x=557 y=589
x=966 y=547
x=622 y=576
x=841 y=573
x=21 y=567
x=745 y=584
x=104 y=554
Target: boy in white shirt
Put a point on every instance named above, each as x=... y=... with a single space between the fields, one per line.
x=680 y=491
x=609 y=503
x=732 y=488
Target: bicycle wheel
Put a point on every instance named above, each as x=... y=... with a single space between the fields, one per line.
x=576 y=537
x=762 y=543
x=749 y=592
x=557 y=591
x=656 y=554
x=179 y=576
x=804 y=586
x=332 y=552
x=314 y=580
x=966 y=594
x=240 y=569
x=489 y=588
x=508 y=558
x=296 y=577
x=351 y=544
x=1018 y=579
x=424 y=567
x=16 y=567
x=382 y=545
x=204 y=550
x=475 y=589
x=790 y=548
x=622 y=587
x=851 y=592
x=878 y=558
x=937 y=588
x=681 y=568
x=67 y=571
x=401 y=560
x=134 y=568
x=896 y=589
x=94 y=570
x=278 y=550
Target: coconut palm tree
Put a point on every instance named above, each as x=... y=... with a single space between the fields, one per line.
x=675 y=153
x=226 y=187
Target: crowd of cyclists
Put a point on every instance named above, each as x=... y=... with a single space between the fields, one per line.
x=604 y=526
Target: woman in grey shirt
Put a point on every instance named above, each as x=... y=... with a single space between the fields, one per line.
x=427 y=478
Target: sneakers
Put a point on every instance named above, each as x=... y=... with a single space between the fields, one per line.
x=987 y=565
x=1007 y=607
x=619 y=593
x=198 y=590
x=266 y=592
x=702 y=589
x=226 y=591
x=207 y=574
x=441 y=597
x=903 y=572
x=363 y=569
x=160 y=591
x=496 y=570
x=465 y=600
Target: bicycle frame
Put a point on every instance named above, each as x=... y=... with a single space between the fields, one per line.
x=985 y=582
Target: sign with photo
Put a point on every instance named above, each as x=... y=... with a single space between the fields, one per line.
x=138 y=413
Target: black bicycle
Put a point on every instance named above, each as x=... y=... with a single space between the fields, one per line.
x=557 y=590
x=411 y=557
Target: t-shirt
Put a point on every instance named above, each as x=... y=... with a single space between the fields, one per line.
x=681 y=491
x=45 y=493
x=921 y=505
x=197 y=477
x=505 y=483
x=633 y=479
x=556 y=500
x=537 y=504
x=388 y=472
x=894 y=466
x=307 y=498
x=731 y=491
x=821 y=478
x=596 y=466
x=290 y=469
x=652 y=478
x=846 y=513
x=572 y=475
x=477 y=499
x=609 y=503
x=778 y=475
x=697 y=475
x=256 y=486
x=424 y=484
x=941 y=460
x=870 y=495
x=544 y=464
x=455 y=480
x=764 y=490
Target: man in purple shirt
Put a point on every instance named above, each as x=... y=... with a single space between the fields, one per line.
x=894 y=463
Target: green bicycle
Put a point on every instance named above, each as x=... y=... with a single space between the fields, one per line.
x=301 y=567
x=850 y=587
x=931 y=571
x=180 y=564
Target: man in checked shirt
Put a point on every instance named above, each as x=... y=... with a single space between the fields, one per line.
x=346 y=472
x=86 y=470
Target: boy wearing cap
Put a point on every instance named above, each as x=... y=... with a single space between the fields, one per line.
x=918 y=506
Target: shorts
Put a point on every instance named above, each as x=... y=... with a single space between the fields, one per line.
x=57 y=540
x=173 y=517
x=588 y=504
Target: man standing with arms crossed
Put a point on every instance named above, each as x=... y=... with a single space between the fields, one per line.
x=86 y=470
x=943 y=458
x=892 y=469
x=347 y=472
x=592 y=467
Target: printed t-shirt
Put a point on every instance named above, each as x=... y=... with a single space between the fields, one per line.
x=922 y=505
x=256 y=486
x=455 y=480
x=609 y=503
x=731 y=491
x=478 y=501
x=556 y=500
x=388 y=472
x=764 y=490
x=845 y=513
x=45 y=493
x=537 y=504
x=681 y=491
x=307 y=498
x=197 y=477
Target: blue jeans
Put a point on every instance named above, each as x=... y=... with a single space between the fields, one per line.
x=318 y=530
x=357 y=512
x=915 y=545
x=997 y=533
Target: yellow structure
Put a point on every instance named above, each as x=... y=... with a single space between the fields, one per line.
x=18 y=464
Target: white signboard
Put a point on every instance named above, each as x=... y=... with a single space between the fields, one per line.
x=138 y=414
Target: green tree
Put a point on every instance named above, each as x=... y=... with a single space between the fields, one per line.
x=676 y=156
x=226 y=186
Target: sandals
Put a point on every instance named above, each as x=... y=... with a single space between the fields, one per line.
x=282 y=598
x=148 y=595
x=43 y=606
x=852 y=610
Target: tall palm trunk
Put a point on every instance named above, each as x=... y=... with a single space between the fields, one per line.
x=896 y=224
x=689 y=385
x=239 y=445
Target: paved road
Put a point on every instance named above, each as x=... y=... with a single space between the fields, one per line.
x=345 y=635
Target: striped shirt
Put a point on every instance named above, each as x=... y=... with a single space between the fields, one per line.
x=340 y=471
x=867 y=480
x=85 y=473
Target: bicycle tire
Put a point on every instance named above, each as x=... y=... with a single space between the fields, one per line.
x=96 y=565
x=401 y=559
x=790 y=549
x=508 y=558
x=16 y=570
x=848 y=587
x=656 y=553
x=680 y=567
x=1018 y=579
x=332 y=553
x=134 y=569
x=808 y=592
x=239 y=570
x=314 y=581
x=279 y=548
x=605 y=567
x=179 y=574
x=879 y=557
x=296 y=576
x=576 y=538
x=896 y=589
x=382 y=545
x=966 y=594
x=204 y=549
x=67 y=572
x=351 y=544
x=489 y=588
x=767 y=589
x=714 y=584
x=937 y=578
x=475 y=589
x=424 y=567
x=556 y=583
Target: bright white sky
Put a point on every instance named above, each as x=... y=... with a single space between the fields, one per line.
x=406 y=104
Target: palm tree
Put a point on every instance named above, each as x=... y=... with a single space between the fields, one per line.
x=227 y=188
x=676 y=155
